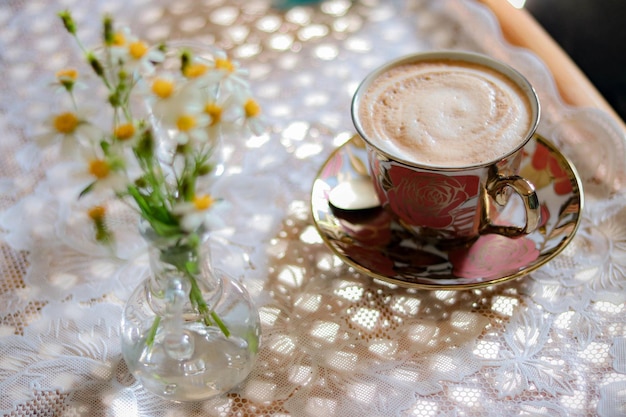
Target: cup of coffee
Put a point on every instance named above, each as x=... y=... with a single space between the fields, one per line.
x=444 y=133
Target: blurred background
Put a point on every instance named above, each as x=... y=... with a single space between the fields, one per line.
x=593 y=33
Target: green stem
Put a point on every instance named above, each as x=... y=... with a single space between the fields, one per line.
x=195 y=296
x=190 y=268
x=153 y=331
x=220 y=324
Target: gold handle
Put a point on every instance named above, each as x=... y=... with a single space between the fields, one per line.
x=497 y=189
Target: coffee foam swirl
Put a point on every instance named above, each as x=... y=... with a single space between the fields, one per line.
x=445 y=113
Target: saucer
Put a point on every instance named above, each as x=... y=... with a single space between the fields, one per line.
x=367 y=237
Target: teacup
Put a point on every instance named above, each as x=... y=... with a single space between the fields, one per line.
x=444 y=133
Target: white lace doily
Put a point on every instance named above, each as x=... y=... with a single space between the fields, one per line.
x=335 y=343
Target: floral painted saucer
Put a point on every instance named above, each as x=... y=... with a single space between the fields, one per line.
x=368 y=238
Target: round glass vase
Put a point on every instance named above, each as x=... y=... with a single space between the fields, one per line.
x=189 y=333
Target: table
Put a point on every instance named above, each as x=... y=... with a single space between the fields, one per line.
x=335 y=342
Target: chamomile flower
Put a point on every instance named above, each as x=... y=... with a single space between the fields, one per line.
x=253 y=116
x=124 y=131
x=102 y=174
x=196 y=213
x=227 y=72
x=127 y=134
x=136 y=54
x=224 y=113
x=69 y=129
x=164 y=93
x=183 y=117
x=67 y=79
x=191 y=128
x=195 y=69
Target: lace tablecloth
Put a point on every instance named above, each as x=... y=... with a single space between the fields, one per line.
x=335 y=342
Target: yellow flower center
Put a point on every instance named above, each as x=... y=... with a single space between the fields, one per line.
x=119 y=39
x=185 y=123
x=195 y=70
x=137 y=49
x=99 y=168
x=67 y=74
x=224 y=64
x=124 y=131
x=214 y=111
x=252 y=108
x=97 y=213
x=65 y=123
x=162 y=88
x=203 y=202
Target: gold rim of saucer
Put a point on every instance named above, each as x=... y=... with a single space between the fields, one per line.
x=375 y=246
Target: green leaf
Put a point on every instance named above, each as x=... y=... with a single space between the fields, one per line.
x=87 y=190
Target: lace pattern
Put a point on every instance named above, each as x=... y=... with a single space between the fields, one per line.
x=335 y=342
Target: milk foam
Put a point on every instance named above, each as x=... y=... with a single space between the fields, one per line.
x=445 y=113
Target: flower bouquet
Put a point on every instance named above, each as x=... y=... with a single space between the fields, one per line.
x=188 y=332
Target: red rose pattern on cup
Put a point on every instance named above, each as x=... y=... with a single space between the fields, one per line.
x=432 y=200
x=543 y=160
x=493 y=256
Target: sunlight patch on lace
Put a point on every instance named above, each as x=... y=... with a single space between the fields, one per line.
x=311 y=236
x=406 y=375
x=406 y=305
x=443 y=364
x=362 y=392
x=465 y=321
x=260 y=391
x=366 y=318
x=284 y=345
x=269 y=315
x=300 y=374
x=65 y=380
x=342 y=361
x=325 y=330
x=607 y=307
x=596 y=353
x=423 y=334
x=564 y=320
x=350 y=293
x=470 y=397
x=326 y=262
x=63 y=280
x=487 y=349
x=425 y=408
x=504 y=305
x=291 y=276
x=121 y=402
x=308 y=150
x=317 y=406
x=103 y=269
x=257 y=141
x=384 y=348
x=308 y=302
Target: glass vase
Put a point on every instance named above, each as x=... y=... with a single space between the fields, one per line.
x=189 y=333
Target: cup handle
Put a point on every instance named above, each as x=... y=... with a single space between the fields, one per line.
x=496 y=189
